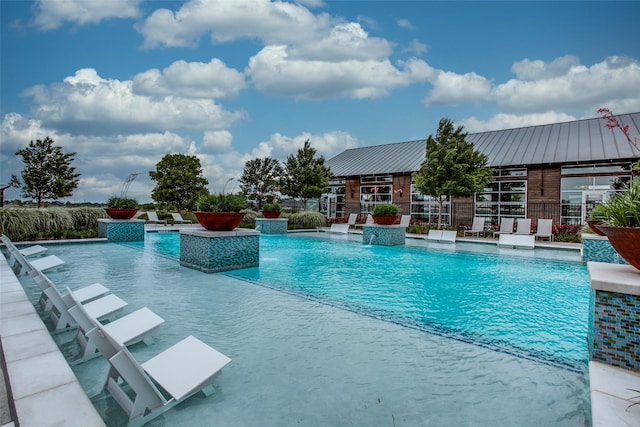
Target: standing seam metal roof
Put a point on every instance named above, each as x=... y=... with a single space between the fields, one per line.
x=574 y=142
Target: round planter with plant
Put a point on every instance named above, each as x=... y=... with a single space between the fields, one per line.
x=121 y=208
x=385 y=214
x=620 y=216
x=271 y=210
x=220 y=212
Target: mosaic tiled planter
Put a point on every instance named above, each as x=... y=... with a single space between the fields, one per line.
x=598 y=248
x=383 y=235
x=272 y=226
x=614 y=337
x=215 y=251
x=121 y=230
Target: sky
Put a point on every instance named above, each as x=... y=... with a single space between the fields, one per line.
x=122 y=83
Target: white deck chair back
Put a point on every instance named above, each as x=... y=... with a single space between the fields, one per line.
x=127 y=330
x=177 y=218
x=106 y=307
x=477 y=227
x=506 y=226
x=523 y=226
x=352 y=219
x=369 y=220
x=183 y=370
x=153 y=218
x=405 y=220
x=545 y=229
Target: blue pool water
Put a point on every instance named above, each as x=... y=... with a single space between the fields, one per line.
x=410 y=337
x=530 y=307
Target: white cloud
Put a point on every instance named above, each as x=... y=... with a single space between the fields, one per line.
x=102 y=174
x=50 y=14
x=216 y=141
x=191 y=79
x=416 y=47
x=509 y=121
x=273 y=72
x=327 y=144
x=345 y=42
x=453 y=89
x=272 y=22
x=90 y=104
x=615 y=78
x=537 y=70
x=405 y=23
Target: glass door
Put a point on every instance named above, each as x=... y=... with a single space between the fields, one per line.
x=592 y=198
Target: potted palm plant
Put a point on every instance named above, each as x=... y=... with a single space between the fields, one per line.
x=121 y=207
x=620 y=217
x=385 y=214
x=220 y=212
x=271 y=210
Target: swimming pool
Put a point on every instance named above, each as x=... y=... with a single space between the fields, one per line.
x=326 y=352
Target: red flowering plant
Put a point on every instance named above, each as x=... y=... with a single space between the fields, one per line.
x=612 y=122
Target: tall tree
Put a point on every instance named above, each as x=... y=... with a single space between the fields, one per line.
x=48 y=173
x=305 y=175
x=260 y=180
x=452 y=167
x=179 y=181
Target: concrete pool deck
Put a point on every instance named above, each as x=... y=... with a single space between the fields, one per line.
x=43 y=391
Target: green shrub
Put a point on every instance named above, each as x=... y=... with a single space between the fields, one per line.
x=221 y=203
x=622 y=209
x=21 y=224
x=271 y=207
x=122 y=202
x=301 y=220
x=249 y=220
x=386 y=209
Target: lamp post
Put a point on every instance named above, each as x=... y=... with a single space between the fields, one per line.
x=225 y=184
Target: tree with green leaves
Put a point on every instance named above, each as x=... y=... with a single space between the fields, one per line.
x=260 y=180
x=305 y=175
x=48 y=173
x=452 y=167
x=179 y=181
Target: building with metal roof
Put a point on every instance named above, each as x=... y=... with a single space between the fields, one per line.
x=557 y=170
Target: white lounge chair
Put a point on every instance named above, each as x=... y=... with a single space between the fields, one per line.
x=448 y=236
x=177 y=219
x=152 y=218
x=477 y=227
x=405 y=220
x=517 y=240
x=545 y=229
x=506 y=226
x=21 y=265
x=107 y=307
x=343 y=228
x=85 y=294
x=126 y=330
x=182 y=370
x=369 y=221
x=26 y=252
x=32 y=250
x=523 y=226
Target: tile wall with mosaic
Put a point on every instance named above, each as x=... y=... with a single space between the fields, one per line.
x=598 y=248
x=383 y=235
x=272 y=226
x=616 y=329
x=212 y=252
x=125 y=230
